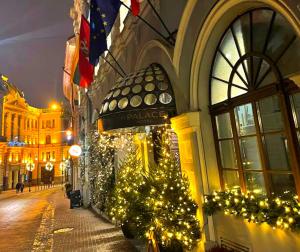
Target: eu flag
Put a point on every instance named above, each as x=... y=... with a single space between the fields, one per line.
x=97 y=34
x=109 y=10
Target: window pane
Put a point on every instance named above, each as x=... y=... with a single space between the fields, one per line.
x=261 y=22
x=218 y=91
x=241 y=29
x=281 y=35
x=228 y=47
x=282 y=183
x=270 y=114
x=222 y=69
x=245 y=119
x=255 y=182
x=224 y=126
x=295 y=101
x=235 y=91
x=227 y=152
x=250 y=153
x=289 y=63
x=231 y=179
x=277 y=152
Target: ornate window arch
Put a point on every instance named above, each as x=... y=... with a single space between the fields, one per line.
x=255 y=105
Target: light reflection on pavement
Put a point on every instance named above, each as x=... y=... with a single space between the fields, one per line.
x=42 y=221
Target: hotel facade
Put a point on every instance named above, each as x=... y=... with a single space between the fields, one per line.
x=234 y=72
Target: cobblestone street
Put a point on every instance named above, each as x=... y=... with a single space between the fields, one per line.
x=42 y=221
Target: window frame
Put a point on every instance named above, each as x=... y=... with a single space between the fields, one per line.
x=281 y=88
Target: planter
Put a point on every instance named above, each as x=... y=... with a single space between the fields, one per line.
x=174 y=247
x=128 y=230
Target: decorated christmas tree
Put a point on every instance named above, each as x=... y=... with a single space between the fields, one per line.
x=173 y=210
x=156 y=201
x=127 y=202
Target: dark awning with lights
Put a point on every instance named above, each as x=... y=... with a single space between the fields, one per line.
x=139 y=99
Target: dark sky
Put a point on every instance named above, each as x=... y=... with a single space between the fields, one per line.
x=33 y=34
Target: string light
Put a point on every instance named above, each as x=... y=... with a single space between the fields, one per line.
x=278 y=212
x=156 y=201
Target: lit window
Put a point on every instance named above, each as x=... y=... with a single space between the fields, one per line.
x=254 y=138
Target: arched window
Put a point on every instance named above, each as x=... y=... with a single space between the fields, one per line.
x=255 y=104
x=48 y=139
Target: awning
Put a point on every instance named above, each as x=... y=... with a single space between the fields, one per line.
x=139 y=99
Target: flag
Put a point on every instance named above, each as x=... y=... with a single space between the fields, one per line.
x=85 y=68
x=75 y=75
x=97 y=34
x=135 y=7
x=109 y=10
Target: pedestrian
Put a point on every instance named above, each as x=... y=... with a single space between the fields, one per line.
x=18 y=187
x=22 y=187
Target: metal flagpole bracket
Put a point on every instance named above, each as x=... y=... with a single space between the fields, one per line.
x=167 y=39
x=112 y=66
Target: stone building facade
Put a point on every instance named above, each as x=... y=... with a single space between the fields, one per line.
x=235 y=73
x=31 y=136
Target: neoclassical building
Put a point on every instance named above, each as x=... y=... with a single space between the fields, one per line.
x=235 y=72
x=31 y=136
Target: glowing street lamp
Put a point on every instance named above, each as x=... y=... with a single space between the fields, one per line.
x=69 y=135
x=75 y=150
x=49 y=166
x=62 y=167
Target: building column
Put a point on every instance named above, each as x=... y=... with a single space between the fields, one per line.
x=7 y=126
x=12 y=127
x=193 y=165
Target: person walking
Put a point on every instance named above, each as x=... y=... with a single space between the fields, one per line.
x=21 y=186
x=18 y=185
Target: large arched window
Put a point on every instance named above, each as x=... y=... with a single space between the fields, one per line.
x=255 y=104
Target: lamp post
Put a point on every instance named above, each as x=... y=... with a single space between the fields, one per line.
x=29 y=168
x=62 y=167
x=49 y=167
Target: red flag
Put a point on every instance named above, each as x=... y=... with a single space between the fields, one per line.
x=135 y=7
x=86 y=69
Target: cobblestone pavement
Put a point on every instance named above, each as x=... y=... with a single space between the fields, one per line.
x=42 y=221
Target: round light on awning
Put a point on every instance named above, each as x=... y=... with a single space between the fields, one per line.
x=75 y=150
x=141 y=98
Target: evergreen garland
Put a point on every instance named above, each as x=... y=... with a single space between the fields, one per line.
x=101 y=168
x=279 y=212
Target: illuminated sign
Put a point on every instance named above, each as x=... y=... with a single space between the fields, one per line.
x=15 y=144
x=75 y=150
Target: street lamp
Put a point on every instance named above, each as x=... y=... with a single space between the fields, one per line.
x=62 y=167
x=49 y=167
x=29 y=168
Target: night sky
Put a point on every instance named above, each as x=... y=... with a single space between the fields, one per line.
x=33 y=34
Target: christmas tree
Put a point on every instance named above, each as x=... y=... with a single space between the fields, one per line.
x=127 y=202
x=173 y=209
x=157 y=201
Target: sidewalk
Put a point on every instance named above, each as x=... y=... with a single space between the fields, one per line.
x=80 y=229
x=12 y=192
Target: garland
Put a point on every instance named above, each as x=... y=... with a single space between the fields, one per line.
x=279 y=212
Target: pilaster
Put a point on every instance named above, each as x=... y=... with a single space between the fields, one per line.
x=193 y=165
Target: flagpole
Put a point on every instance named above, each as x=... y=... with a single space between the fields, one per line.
x=117 y=62
x=151 y=26
x=160 y=19
x=112 y=66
